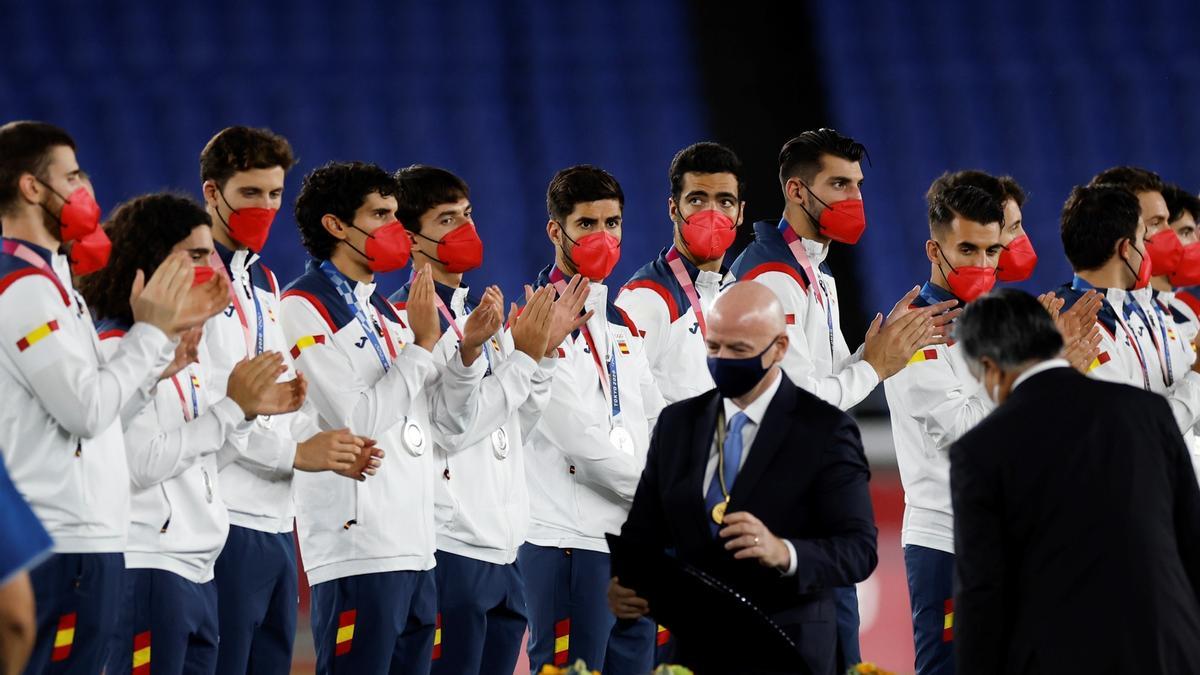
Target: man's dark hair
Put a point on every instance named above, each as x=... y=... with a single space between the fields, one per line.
x=1180 y=200
x=339 y=189
x=236 y=149
x=801 y=156
x=1094 y=219
x=705 y=157
x=143 y=231
x=25 y=148
x=1132 y=178
x=966 y=201
x=420 y=188
x=1010 y=327
x=1001 y=188
x=579 y=185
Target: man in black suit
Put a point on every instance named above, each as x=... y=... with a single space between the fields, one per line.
x=782 y=514
x=1076 y=513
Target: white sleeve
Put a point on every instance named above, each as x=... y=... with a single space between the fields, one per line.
x=155 y=455
x=539 y=396
x=454 y=393
x=1184 y=398
x=845 y=388
x=496 y=398
x=83 y=398
x=584 y=442
x=938 y=399
x=340 y=396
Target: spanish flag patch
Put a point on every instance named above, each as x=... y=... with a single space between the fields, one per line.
x=1100 y=360
x=306 y=342
x=64 y=637
x=141 y=654
x=623 y=346
x=345 y=632
x=437 y=638
x=663 y=636
x=924 y=355
x=948 y=622
x=562 y=641
x=36 y=335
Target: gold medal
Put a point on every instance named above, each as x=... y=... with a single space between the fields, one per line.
x=718 y=511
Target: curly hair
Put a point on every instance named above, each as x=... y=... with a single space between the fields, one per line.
x=143 y=231
x=236 y=149
x=337 y=189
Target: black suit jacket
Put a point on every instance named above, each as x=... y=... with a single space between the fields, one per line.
x=805 y=477
x=1077 y=534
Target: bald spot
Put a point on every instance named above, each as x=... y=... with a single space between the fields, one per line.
x=747 y=310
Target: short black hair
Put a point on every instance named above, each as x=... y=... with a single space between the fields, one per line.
x=1094 y=219
x=966 y=201
x=339 y=189
x=1132 y=178
x=143 y=231
x=801 y=156
x=25 y=148
x=1180 y=200
x=705 y=157
x=236 y=149
x=1001 y=188
x=580 y=184
x=420 y=188
x=1010 y=327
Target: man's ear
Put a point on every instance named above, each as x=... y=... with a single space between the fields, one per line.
x=30 y=188
x=741 y=214
x=781 y=347
x=209 y=189
x=931 y=251
x=552 y=230
x=672 y=209
x=334 y=226
x=794 y=191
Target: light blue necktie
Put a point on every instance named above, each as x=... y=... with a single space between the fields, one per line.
x=733 y=459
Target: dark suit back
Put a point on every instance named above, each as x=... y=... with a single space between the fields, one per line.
x=1077 y=534
x=805 y=477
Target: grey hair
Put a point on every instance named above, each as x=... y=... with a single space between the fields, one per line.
x=1009 y=327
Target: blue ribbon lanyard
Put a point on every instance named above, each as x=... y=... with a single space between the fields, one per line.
x=258 y=314
x=1133 y=341
x=1168 y=374
x=195 y=402
x=347 y=293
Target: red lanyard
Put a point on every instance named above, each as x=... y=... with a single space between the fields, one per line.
x=797 y=247
x=217 y=264
x=685 y=282
x=560 y=284
x=18 y=250
x=382 y=328
x=437 y=299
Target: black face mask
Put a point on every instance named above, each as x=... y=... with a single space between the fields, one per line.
x=735 y=377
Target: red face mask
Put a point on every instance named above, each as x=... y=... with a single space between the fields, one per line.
x=843 y=221
x=1165 y=251
x=90 y=254
x=594 y=255
x=707 y=234
x=249 y=226
x=460 y=250
x=201 y=275
x=388 y=247
x=1142 y=275
x=1187 y=273
x=1017 y=260
x=80 y=215
x=968 y=282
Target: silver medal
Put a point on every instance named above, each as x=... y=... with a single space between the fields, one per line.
x=500 y=443
x=621 y=439
x=414 y=438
